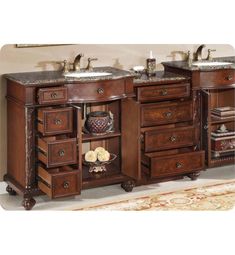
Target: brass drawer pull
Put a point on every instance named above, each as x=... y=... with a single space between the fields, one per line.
x=164 y=92
x=178 y=165
x=54 y=95
x=100 y=91
x=58 y=121
x=168 y=114
x=66 y=184
x=61 y=153
x=173 y=138
x=229 y=78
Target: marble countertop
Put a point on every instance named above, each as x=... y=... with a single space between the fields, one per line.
x=160 y=77
x=185 y=66
x=56 y=77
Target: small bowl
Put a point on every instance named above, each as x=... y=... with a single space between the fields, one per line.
x=138 y=68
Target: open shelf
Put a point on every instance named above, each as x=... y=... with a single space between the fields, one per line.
x=226 y=160
x=221 y=121
x=111 y=176
x=90 y=137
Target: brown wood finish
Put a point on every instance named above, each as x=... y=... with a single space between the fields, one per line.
x=175 y=164
x=54 y=121
x=131 y=138
x=164 y=113
x=165 y=92
x=59 y=182
x=55 y=95
x=97 y=91
x=56 y=151
x=156 y=140
x=217 y=90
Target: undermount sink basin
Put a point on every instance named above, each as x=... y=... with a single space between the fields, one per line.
x=86 y=74
x=202 y=64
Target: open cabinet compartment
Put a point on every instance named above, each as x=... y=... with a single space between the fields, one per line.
x=212 y=99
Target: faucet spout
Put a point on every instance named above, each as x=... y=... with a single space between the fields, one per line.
x=198 y=53
x=76 y=63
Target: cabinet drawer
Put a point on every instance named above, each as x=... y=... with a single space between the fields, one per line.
x=175 y=164
x=53 y=95
x=156 y=140
x=154 y=93
x=56 y=151
x=217 y=78
x=97 y=91
x=53 y=121
x=59 y=182
x=158 y=114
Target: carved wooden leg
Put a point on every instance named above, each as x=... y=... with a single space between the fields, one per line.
x=194 y=176
x=28 y=202
x=10 y=191
x=128 y=185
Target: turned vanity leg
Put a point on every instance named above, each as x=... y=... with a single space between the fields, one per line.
x=10 y=191
x=128 y=185
x=194 y=176
x=28 y=202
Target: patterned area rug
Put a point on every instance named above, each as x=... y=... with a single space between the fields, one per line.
x=214 y=197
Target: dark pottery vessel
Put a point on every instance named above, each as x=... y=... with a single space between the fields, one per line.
x=99 y=122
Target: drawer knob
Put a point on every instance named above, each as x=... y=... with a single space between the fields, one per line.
x=229 y=78
x=58 y=121
x=100 y=91
x=66 y=184
x=61 y=153
x=54 y=95
x=173 y=138
x=164 y=92
x=168 y=114
x=178 y=165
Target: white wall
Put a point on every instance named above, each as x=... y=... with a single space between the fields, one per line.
x=14 y=59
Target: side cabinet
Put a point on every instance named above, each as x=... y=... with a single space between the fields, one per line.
x=169 y=122
x=218 y=134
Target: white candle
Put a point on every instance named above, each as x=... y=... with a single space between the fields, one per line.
x=150 y=54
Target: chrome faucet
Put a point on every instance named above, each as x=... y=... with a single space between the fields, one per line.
x=76 y=63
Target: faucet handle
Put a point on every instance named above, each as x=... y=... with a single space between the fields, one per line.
x=65 y=65
x=89 y=66
x=209 y=57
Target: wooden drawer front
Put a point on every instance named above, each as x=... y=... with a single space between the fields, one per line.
x=156 y=114
x=57 y=152
x=168 y=139
x=153 y=93
x=59 y=182
x=57 y=95
x=55 y=121
x=97 y=91
x=176 y=164
x=217 y=78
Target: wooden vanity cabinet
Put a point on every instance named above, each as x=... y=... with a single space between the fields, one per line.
x=169 y=126
x=217 y=89
x=47 y=139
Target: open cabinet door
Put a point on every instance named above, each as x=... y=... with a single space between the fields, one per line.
x=130 y=128
x=78 y=134
x=206 y=125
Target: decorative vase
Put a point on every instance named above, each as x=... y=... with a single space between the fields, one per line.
x=99 y=122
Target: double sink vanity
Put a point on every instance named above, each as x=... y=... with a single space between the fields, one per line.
x=163 y=127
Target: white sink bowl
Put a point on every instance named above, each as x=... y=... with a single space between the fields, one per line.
x=86 y=74
x=202 y=64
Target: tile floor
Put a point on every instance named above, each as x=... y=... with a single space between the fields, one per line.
x=113 y=193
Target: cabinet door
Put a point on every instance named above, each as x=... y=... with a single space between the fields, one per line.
x=78 y=133
x=130 y=125
x=206 y=124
